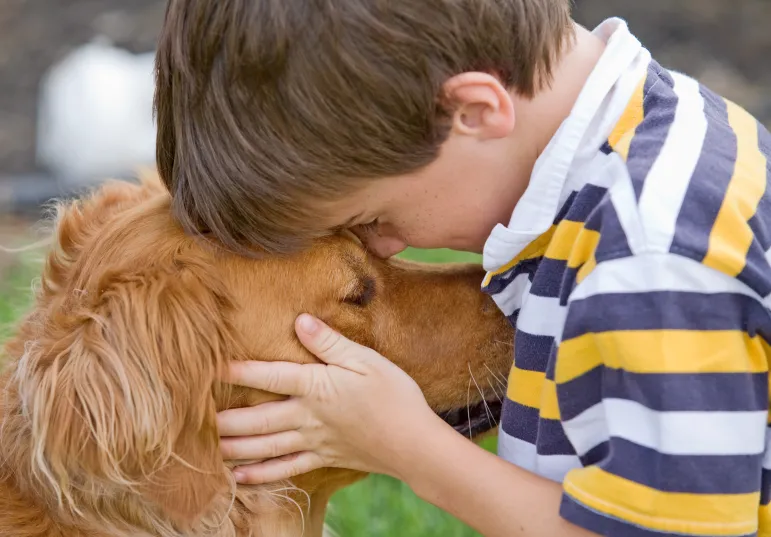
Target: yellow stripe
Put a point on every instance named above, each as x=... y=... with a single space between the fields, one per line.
x=564 y=240
x=764 y=521
x=621 y=137
x=672 y=512
x=731 y=235
x=662 y=351
x=573 y=243
x=586 y=269
x=550 y=409
x=537 y=248
x=532 y=389
x=584 y=247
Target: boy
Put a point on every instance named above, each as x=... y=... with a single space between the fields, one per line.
x=623 y=216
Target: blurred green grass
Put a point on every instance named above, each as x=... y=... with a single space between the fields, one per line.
x=378 y=506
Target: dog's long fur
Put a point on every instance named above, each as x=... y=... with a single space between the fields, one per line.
x=108 y=407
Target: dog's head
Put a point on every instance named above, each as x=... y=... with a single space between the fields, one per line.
x=109 y=410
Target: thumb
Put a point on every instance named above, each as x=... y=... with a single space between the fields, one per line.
x=330 y=346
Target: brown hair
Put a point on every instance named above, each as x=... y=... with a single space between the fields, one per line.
x=268 y=108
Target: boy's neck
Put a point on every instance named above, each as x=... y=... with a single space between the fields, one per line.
x=539 y=118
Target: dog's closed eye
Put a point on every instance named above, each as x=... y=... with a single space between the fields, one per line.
x=362 y=294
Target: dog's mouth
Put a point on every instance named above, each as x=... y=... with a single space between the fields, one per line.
x=474 y=420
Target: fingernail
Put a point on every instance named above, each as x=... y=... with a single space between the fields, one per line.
x=307 y=323
x=239 y=475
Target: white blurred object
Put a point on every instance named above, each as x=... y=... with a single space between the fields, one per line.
x=95 y=114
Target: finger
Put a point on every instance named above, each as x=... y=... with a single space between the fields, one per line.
x=284 y=378
x=265 y=418
x=263 y=447
x=329 y=345
x=278 y=469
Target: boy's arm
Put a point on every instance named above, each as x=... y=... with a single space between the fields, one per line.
x=493 y=496
x=662 y=376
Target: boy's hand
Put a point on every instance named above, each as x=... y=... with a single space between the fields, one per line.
x=359 y=411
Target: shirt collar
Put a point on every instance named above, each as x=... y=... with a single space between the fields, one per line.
x=535 y=212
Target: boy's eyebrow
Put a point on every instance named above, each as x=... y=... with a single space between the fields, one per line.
x=350 y=221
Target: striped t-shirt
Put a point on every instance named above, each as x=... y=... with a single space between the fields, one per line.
x=636 y=271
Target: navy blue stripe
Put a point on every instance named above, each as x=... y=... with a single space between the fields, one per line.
x=663 y=74
x=613 y=243
x=565 y=208
x=551 y=364
x=531 y=352
x=546 y=282
x=524 y=423
x=764 y=142
x=520 y=421
x=708 y=392
x=695 y=474
x=605 y=148
x=760 y=223
x=584 y=517
x=765 y=487
x=657 y=310
x=568 y=284
x=551 y=439
x=500 y=282
x=595 y=455
x=652 y=77
x=756 y=270
x=587 y=200
x=659 y=107
x=707 y=188
x=581 y=393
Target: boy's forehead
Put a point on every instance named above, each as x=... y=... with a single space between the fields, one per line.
x=364 y=203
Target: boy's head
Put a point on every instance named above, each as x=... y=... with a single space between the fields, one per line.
x=274 y=115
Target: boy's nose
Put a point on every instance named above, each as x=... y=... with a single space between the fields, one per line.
x=378 y=243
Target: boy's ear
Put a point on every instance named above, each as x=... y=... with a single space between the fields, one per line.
x=480 y=105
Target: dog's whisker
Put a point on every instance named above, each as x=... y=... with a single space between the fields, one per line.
x=492 y=387
x=498 y=380
x=501 y=380
x=502 y=342
x=468 y=407
x=490 y=418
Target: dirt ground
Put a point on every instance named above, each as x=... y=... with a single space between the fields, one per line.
x=725 y=43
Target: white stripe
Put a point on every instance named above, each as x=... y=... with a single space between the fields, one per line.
x=542 y=316
x=671 y=433
x=510 y=299
x=599 y=170
x=657 y=272
x=767 y=454
x=524 y=455
x=669 y=176
x=587 y=430
x=767 y=299
x=624 y=202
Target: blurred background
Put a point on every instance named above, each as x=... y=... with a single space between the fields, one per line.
x=75 y=105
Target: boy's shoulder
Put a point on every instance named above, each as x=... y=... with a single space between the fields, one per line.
x=697 y=169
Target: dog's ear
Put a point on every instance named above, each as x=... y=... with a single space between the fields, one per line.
x=120 y=391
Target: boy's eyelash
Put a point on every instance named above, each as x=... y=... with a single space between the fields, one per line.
x=369 y=225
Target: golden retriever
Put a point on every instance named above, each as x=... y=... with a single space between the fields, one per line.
x=109 y=398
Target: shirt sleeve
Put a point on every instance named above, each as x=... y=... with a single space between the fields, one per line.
x=662 y=378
